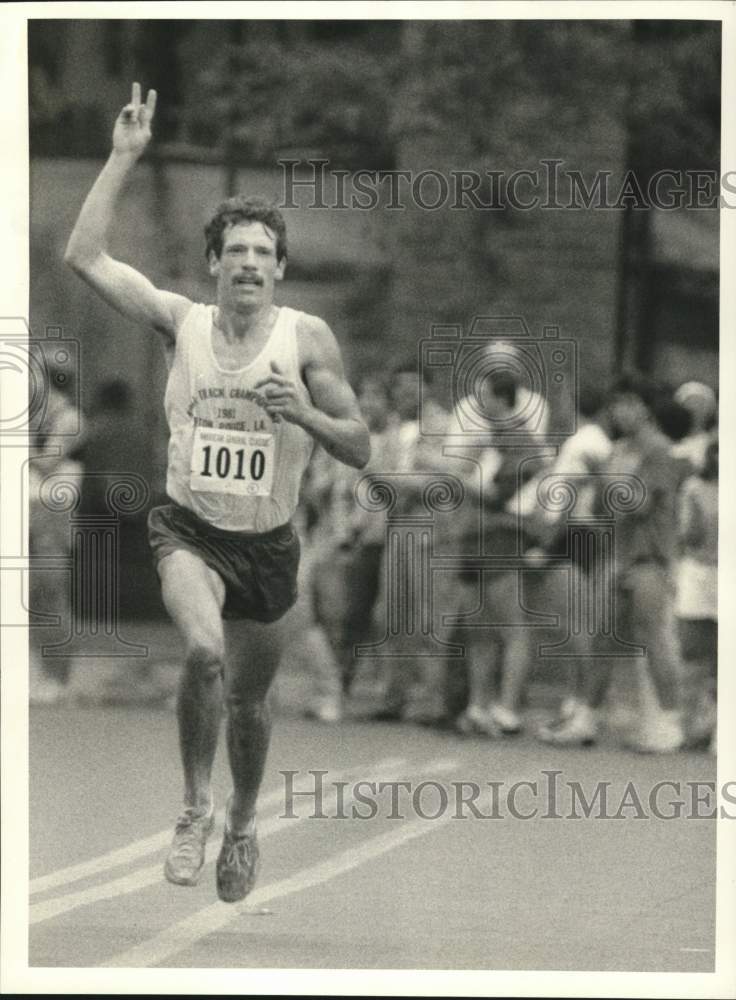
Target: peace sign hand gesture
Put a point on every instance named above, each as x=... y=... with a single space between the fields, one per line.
x=133 y=126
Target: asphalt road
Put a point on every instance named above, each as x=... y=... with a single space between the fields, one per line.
x=499 y=893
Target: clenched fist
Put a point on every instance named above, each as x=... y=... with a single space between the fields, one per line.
x=282 y=398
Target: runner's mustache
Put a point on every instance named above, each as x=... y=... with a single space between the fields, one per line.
x=248 y=278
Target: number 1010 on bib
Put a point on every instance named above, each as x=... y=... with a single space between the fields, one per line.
x=232 y=462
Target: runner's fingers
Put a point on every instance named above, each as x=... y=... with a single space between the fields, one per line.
x=280 y=395
x=135 y=96
x=150 y=106
x=273 y=379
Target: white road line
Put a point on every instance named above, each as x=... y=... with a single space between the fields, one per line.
x=138 y=849
x=120 y=856
x=143 y=877
x=185 y=933
x=385 y=770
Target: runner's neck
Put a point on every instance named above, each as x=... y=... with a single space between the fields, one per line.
x=238 y=327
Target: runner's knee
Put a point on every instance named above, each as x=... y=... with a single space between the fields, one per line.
x=246 y=710
x=204 y=658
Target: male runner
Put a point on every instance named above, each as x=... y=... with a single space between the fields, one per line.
x=251 y=387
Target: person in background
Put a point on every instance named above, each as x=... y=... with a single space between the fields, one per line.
x=700 y=402
x=697 y=595
x=530 y=413
x=680 y=423
x=506 y=646
x=418 y=688
x=501 y=401
x=111 y=446
x=644 y=566
x=368 y=532
x=581 y=457
x=345 y=571
x=55 y=450
x=410 y=685
x=412 y=406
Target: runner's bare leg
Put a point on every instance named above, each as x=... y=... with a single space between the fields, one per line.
x=194 y=595
x=254 y=652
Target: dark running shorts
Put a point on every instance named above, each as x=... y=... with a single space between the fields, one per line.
x=259 y=571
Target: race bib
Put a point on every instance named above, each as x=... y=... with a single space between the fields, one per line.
x=238 y=463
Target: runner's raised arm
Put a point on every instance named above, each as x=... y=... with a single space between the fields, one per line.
x=122 y=286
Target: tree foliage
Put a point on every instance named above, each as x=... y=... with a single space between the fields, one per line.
x=493 y=83
x=267 y=95
x=359 y=90
x=675 y=108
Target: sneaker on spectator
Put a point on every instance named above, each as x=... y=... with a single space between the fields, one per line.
x=580 y=729
x=46 y=690
x=504 y=719
x=704 y=720
x=663 y=734
x=569 y=707
x=329 y=711
x=476 y=721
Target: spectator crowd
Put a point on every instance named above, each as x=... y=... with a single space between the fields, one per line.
x=661 y=574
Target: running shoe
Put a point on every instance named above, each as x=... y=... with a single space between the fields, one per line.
x=237 y=865
x=578 y=730
x=186 y=855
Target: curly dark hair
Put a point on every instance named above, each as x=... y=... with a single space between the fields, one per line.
x=242 y=209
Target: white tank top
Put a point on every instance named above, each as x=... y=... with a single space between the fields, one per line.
x=228 y=461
